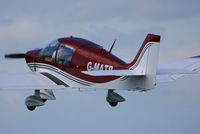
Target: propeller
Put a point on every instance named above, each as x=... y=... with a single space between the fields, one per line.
x=15 y=55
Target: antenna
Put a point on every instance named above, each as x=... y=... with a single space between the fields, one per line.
x=112 y=46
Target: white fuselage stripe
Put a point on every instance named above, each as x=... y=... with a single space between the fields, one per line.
x=141 y=55
x=49 y=67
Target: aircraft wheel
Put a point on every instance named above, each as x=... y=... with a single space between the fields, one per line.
x=113 y=104
x=44 y=100
x=31 y=108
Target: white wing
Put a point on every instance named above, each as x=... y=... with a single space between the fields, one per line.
x=29 y=81
x=176 y=69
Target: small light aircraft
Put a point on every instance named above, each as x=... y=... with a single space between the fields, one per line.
x=78 y=63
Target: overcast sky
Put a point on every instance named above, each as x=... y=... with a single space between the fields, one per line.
x=170 y=108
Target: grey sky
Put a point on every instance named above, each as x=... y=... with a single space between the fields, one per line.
x=170 y=108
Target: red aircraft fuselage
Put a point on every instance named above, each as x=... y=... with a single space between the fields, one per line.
x=86 y=56
x=83 y=55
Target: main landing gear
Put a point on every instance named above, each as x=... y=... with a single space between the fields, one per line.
x=31 y=108
x=113 y=98
x=39 y=98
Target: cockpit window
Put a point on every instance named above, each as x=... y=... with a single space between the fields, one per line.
x=57 y=53
x=64 y=55
x=47 y=52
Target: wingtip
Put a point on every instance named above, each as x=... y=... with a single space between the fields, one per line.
x=195 y=56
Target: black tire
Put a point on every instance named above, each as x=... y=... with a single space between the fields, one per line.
x=44 y=100
x=113 y=104
x=31 y=108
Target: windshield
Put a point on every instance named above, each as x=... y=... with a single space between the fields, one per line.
x=47 y=52
x=57 y=53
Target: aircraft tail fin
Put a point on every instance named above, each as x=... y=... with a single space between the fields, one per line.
x=146 y=60
x=144 y=64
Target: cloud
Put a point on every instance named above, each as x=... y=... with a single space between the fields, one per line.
x=91 y=10
x=20 y=29
x=28 y=24
x=184 y=51
x=31 y=24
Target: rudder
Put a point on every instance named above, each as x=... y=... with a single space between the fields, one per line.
x=146 y=60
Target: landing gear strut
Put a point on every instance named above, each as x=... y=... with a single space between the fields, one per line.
x=113 y=98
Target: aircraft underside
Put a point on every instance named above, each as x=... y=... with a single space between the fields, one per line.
x=60 y=77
